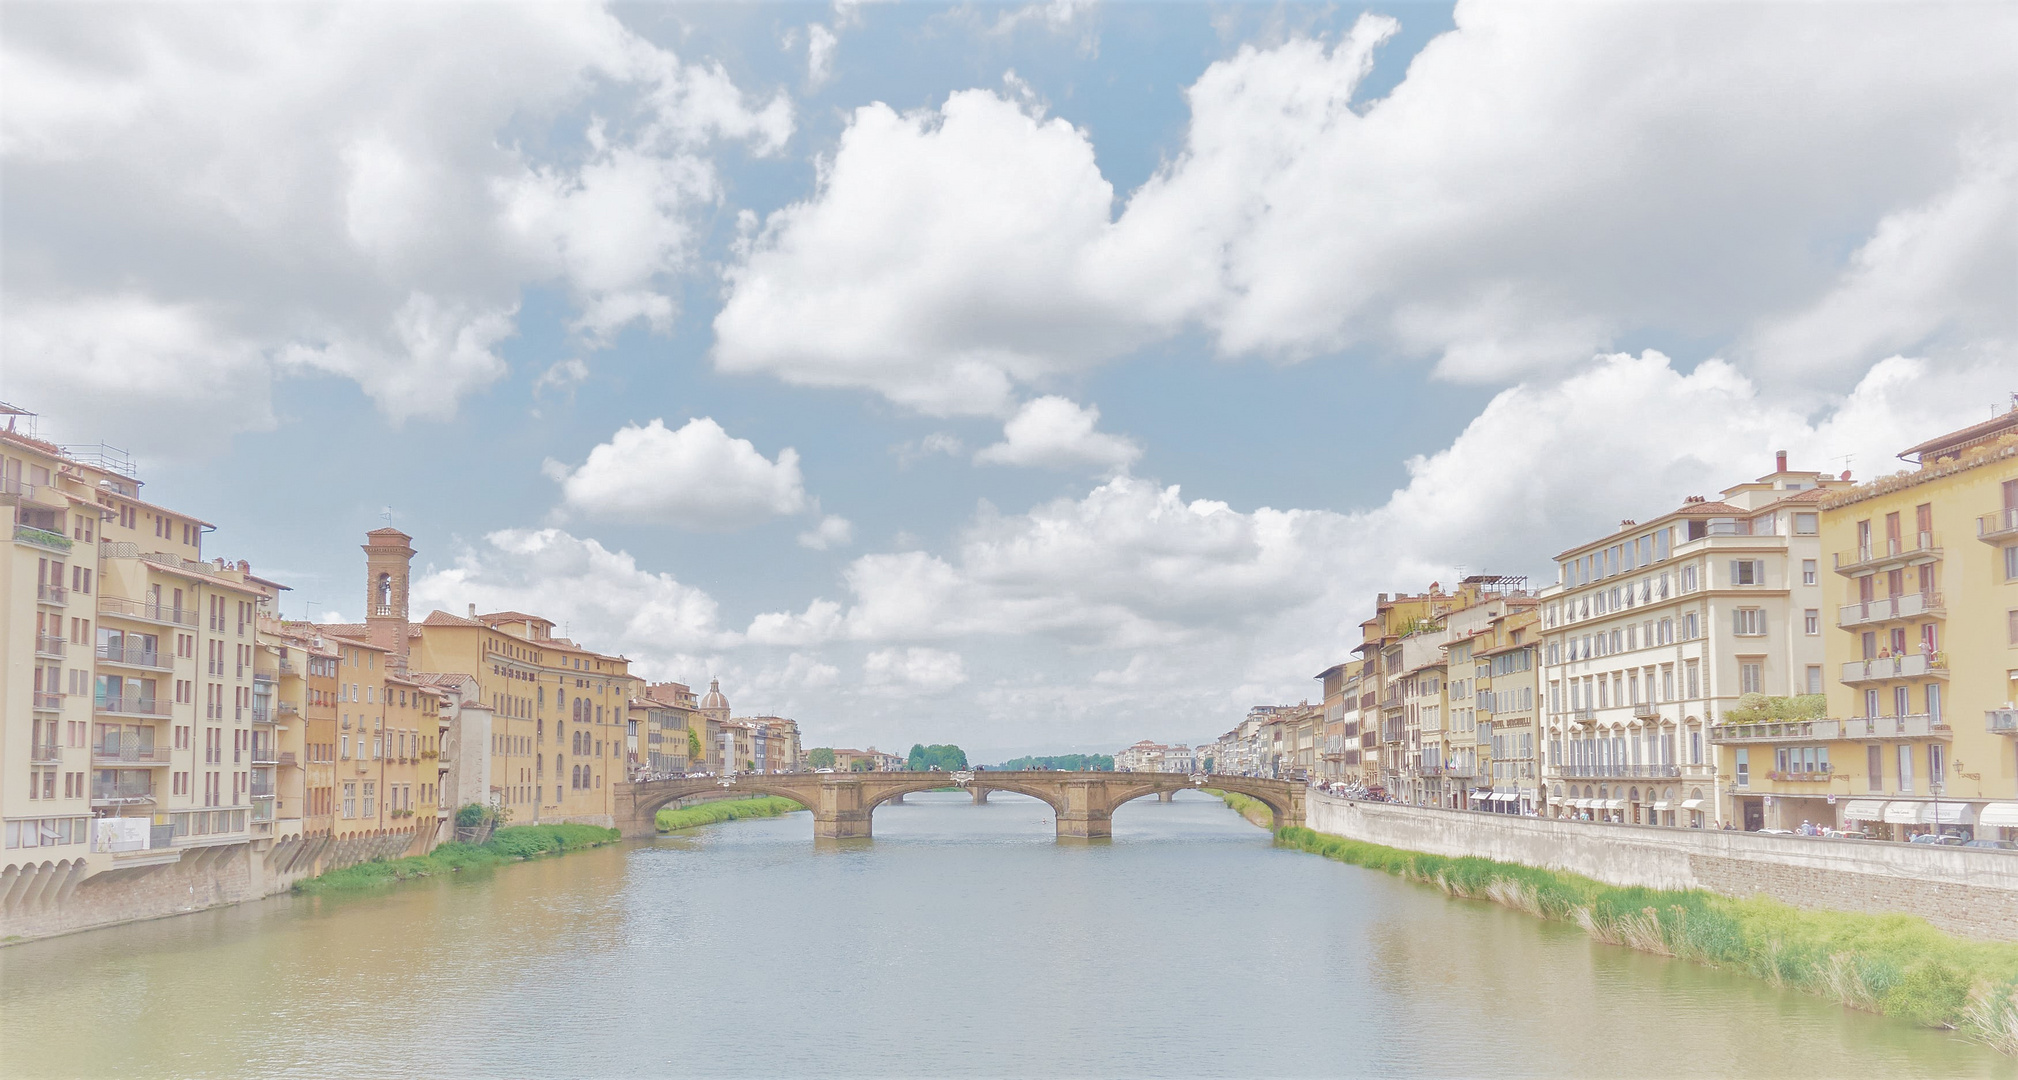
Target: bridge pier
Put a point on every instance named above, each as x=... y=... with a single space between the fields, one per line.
x=894 y=799
x=1166 y=796
x=980 y=795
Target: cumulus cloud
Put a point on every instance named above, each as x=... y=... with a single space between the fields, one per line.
x=601 y=597
x=915 y=669
x=1055 y=432
x=820 y=44
x=698 y=478
x=833 y=531
x=913 y=451
x=293 y=189
x=1501 y=212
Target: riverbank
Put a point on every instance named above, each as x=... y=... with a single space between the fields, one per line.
x=1254 y=810
x=1897 y=965
x=709 y=813
x=514 y=843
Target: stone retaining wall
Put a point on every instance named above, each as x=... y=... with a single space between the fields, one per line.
x=1970 y=891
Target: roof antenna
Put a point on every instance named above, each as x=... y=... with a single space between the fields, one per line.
x=386 y=513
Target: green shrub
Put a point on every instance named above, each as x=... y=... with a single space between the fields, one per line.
x=1898 y=965
x=469 y=816
x=506 y=845
x=709 y=813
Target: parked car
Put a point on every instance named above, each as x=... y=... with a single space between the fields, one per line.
x=2000 y=845
x=823 y=770
x=1942 y=839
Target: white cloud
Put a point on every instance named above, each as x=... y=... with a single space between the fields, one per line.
x=912 y=451
x=698 y=478
x=1546 y=180
x=600 y=597
x=919 y=669
x=1055 y=432
x=342 y=190
x=820 y=43
x=563 y=376
x=833 y=531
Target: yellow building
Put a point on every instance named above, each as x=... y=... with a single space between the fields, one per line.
x=1919 y=733
x=662 y=723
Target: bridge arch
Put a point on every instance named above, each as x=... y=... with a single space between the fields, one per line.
x=1280 y=811
x=650 y=802
x=1051 y=799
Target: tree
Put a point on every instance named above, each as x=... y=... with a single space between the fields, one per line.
x=693 y=746
x=946 y=757
x=820 y=757
x=860 y=765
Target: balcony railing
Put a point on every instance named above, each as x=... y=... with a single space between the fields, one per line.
x=116 y=755
x=286 y=708
x=2001 y=721
x=1910 y=666
x=287 y=666
x=1772 y=731
x=1998 y=527
x=261 y=791
x=1910 y=726
x=1615 y=772
x=52 y=594
x=1819 y=777
x=51 y=647
x=121 y=793
x=146 y=611
x=286 y=759
x=1888 y=554
x=132 y=705
x=265 y=755
x=45 y=753
x=42 y=538
x=262 y=811
x=1903 y=606
x=13 y=487
x=1647 y=711
x=47 y=702
x=135 y=656
x=262 y=714
x=1584 y=715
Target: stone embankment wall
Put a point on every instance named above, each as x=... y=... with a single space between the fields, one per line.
x=1969 y=891
x=39 y=903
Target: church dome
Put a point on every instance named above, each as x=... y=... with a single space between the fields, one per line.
x=713 y=699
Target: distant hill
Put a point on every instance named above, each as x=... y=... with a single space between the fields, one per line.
x=1062 y=763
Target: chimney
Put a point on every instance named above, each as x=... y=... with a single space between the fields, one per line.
x=472 y=611
x=1780 y=461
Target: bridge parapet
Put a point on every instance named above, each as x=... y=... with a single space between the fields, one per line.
x=1083 y=803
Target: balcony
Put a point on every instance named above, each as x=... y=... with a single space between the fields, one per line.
x=1886 y=668
x=1584 y=715
x=262 y=810
x=1774 y=731
x=121 y=793
x=135 y=656
x=1998 y=527
x=1801 y=777
x=47 y=702
x=115 y=755
x=1615 y=772
x=1889 y=555
x=286 y=759
x=2001 y=721
x=54 y=595
x=1904 y=606
x=1646 y=711
x=45 y=753
x=132 y=705
x=50 y=648
x=42 y=538
x=259 y=790
x=265 y=755
x=287 y=667
x=14 y=490
x=1910 y=726
x=262 y=714
x=146 y=611
x=286 y=708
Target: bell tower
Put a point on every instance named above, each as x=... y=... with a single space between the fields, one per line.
x=388 y=558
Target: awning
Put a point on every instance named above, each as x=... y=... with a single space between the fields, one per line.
x=1902 y=813
x=1692 y=804
x=1616 y=804
x=1662 y=805
x=1999 y=814
x=1581 y=804
x=1508 y=796
x=1950 y=813
x=1864 y=810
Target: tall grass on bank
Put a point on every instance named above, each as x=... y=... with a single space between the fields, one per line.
x=1254 y=810
x=509 y=844
x=1898 y=965
x=708 y=813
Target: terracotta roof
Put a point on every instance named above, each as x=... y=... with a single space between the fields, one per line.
x=443 y=618
x=511 y=616
x=1706 y=509
x=1958 y=440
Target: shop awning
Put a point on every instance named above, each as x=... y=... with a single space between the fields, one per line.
x=1615 y=804
x=1662 y=805
x=1902 y=813
x=1581 y=804
x=1692 y=804
x=1864 y=810
x=1999 y=814
x=1946 y=813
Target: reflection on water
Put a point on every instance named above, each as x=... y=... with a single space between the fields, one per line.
x=962 y=941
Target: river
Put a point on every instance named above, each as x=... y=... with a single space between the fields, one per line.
x=962 y=941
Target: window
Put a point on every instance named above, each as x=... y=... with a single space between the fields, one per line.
x=350 y=800
x=1689 y=578
x=2011 y=561
x=1749 y=622
x=1807 y=571
x=1906 y=769
x=1689 y=630
x=1805 y=524
x=1937 y=760
x=1811 y=622
x=1814 y=678
x=1693 y=671
x=370 y=799
x=1874 y=763
x=1745 y=767
x=1748 y=572
x=2011 y=629
x=1751 y=677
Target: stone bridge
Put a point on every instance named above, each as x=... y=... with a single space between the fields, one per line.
x=1083 y=802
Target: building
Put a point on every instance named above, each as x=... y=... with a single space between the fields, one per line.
x=663 y=729
x=1919 y=733
x=1655 y=630
x=127 y=692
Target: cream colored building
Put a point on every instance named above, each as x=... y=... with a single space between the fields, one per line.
x=1654 y=631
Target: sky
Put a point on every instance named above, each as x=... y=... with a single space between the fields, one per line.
x=1037 y=378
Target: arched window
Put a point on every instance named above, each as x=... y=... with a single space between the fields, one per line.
x=385 y=592
x=1635 y=796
